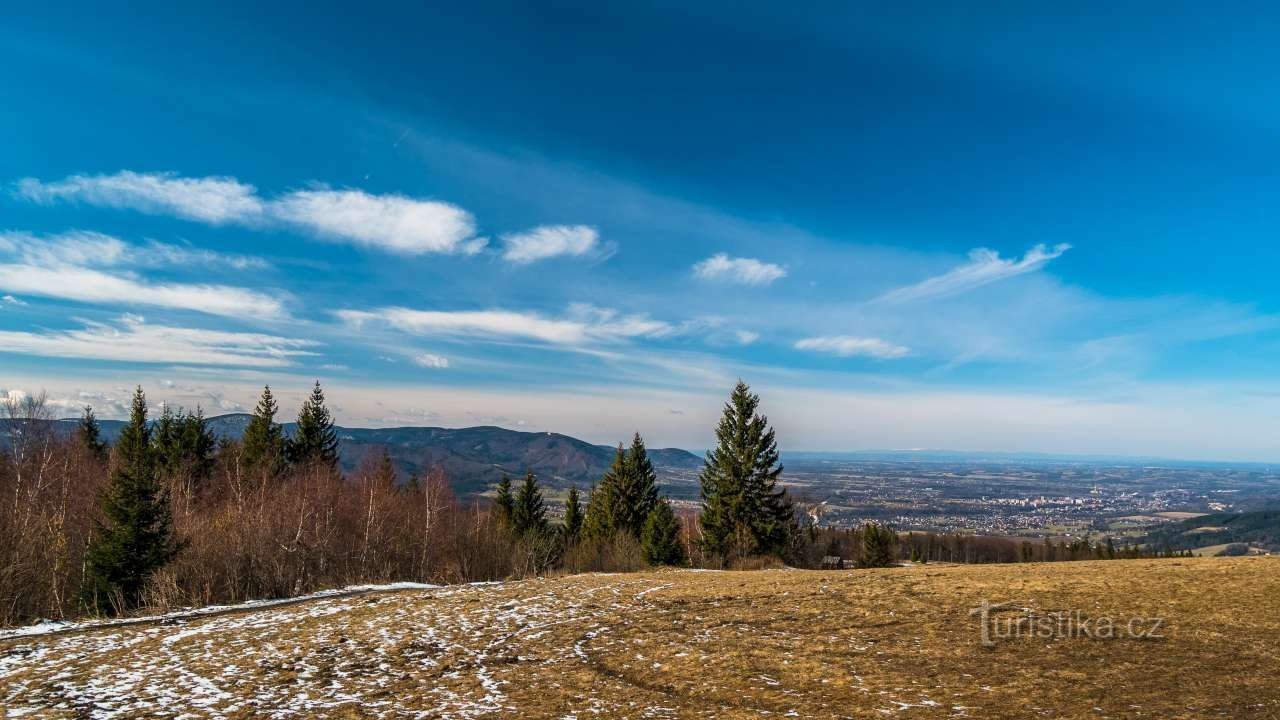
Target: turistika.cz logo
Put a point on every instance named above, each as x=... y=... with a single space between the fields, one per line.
x=1011 y=621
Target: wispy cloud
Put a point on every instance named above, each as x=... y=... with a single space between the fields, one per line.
x=214 y=200
x=11 y=300
x=94 y=286
x=550 y=241
x=985 y=266
x=431 y=360
x=743 y=271
x=132 y=340
x=95 y=249
x=66 y=267
x=582 y=324
x=393 y=223
x=849 y=346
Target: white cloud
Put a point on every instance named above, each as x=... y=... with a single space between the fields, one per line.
x=11 y=300
x=215 y=200
x=549 y=241
x=743 y=271
x=94 y=286
x=94 y=249
x=132 y=340
x=394 y=223
x=582 y=324
x=745 y=337
x=429 y=360
x=849 y=346
x=985 y=266
x=64 y=267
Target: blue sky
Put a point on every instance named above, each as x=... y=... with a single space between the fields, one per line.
x=990 y=228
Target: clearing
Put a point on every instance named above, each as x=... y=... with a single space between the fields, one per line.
x=687 y=644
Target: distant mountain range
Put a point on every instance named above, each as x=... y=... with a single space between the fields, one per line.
x=473 y=458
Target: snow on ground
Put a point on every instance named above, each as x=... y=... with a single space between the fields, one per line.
x=49 y=627
x=365 y=647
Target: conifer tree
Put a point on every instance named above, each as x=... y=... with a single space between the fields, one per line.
x=264 y=447
x=504 y=503
x=90 y=434
x=184 y=447
x=660 y=537
x=134 y=537
x=601 y=519
x=529 y=515
x=640 y=490
x=314 y=440
x=626 y=495
x=877 y=546
x=743 y=511
x=572 y=517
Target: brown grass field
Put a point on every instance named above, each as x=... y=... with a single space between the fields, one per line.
x=686 y=644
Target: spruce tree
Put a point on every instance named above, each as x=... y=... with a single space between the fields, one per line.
x=134 y=536
x=601 y=519
x=626 y=495
x=264 y=447
x=572 y=517
x=184 y=447
x=743 y=510
x=641 y=495
x=529 y=515
x=504 y=503
x=878 y=545
x=660 y=536
x=314 y=440
x=90 y=434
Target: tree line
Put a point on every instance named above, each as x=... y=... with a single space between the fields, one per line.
x=170 y=515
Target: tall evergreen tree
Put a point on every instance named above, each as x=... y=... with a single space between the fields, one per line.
x=641 y=489
x=264 y=447
x=572 y=516
x=660 y=537
x=601 y=519
x=134 y=537
x=530 y=513
x=314 y=440
x=626 y=495
x=504 y=503
x=743 y=510
x=90 y=434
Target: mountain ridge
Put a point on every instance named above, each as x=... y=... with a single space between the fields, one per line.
x=473 y=458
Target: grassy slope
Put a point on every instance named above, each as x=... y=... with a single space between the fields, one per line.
x=877 y=643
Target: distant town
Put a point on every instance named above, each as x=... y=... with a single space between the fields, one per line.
x=1014 y=498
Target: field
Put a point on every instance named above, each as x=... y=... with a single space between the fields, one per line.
x=687 y=644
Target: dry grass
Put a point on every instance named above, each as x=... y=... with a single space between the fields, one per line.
x=869 y=643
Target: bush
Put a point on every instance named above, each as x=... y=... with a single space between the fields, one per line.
x=618 y=552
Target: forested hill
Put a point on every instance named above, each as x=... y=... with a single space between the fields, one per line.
x=474 y=457
x=1260 y=528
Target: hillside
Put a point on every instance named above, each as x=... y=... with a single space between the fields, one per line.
x=475 y=457
x=1260 y=528
x=683 y=644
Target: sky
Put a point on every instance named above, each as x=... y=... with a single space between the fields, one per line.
x=977 y=226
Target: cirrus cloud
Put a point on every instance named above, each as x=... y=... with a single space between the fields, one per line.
x=850 y=346
x=133 y=340
x=985 y=266
x=392 y=222
x=214 y=200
